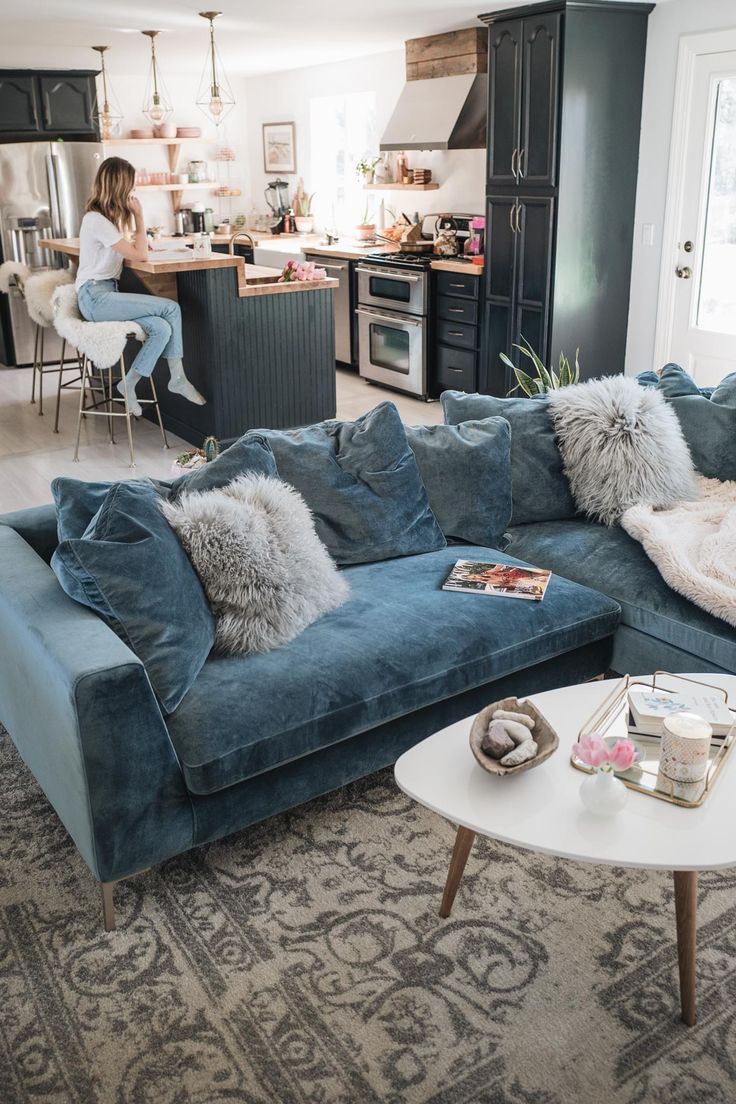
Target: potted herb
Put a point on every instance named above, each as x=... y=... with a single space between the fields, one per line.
x=303 y=210
x=365 y=229
x=366 y=168
x=546 y=379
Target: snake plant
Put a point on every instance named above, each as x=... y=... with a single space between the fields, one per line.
x=545 y=379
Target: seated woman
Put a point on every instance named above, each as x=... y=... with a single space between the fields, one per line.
x=102 y=250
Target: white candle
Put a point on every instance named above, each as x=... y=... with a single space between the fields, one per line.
x=686 y=741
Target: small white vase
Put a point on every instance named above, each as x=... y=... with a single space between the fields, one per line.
x=304 y=224
x=603 y=793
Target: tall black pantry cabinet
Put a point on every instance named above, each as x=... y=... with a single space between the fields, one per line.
x=564 y=111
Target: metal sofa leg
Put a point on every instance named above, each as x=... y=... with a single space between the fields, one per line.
x=108 y=906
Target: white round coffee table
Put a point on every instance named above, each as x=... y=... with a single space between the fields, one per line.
x=540 y=810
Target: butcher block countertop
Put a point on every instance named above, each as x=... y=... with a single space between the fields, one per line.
x=251 y=279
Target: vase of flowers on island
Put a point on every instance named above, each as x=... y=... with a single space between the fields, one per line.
x=603 y=793
x=296 y=271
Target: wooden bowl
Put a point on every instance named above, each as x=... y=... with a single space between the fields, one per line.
x=546 y=738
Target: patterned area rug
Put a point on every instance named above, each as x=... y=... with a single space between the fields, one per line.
x=304 y=961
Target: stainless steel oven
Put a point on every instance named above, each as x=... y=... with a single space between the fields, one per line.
x=392 y=324
x=392 y=288
x=393 y=349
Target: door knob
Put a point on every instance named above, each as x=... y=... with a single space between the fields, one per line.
x=688 y=246
x=684 y=272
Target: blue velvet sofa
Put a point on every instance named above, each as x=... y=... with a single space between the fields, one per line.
x=256 y=735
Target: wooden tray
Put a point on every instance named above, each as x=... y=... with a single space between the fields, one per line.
x=546 y=738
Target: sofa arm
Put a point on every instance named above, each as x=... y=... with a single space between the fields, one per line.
x=37 y=526
x=80 y=709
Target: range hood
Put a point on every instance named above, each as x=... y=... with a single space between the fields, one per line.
x=440 y=113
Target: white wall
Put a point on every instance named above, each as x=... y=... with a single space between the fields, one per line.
x=285 y=97
x=666 y=24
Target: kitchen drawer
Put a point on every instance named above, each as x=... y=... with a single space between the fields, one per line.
x=457 y=283
x=457 y=310
x=457 y=333
x=456 y=369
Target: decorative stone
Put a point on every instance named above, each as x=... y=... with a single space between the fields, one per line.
x=497 y=741
x=519 y=733
x=508 y=715
x=520 y=754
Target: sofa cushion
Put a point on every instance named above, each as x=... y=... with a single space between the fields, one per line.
x=77 y=501
x=130 y=568
x=467 y=472
x=249 y=455
x=540 y=489
x=611 y=561
x=707 y=417
x=362 y=483
x=398 y=644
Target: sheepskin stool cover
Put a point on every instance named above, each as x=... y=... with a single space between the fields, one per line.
x=263 y=568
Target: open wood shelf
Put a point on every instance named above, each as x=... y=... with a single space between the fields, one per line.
x=211 y=184
x=151 y=141
x=431 y=187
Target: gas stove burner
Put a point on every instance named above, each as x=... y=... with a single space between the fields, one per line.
x=402 y=260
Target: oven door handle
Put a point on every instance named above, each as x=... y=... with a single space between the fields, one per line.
x=389 y=274
x=388 y=318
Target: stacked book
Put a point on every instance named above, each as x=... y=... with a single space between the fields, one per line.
x=648 y=710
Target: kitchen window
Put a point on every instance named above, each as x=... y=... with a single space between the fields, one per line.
x=343 y=130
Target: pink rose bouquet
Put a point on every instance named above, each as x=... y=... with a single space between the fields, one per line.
x=596 y=753
x=297 y=271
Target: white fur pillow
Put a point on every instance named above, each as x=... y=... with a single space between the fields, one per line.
x=263 y=568
x=621 y=444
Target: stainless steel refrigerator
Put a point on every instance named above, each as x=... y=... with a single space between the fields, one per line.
x=43 y=190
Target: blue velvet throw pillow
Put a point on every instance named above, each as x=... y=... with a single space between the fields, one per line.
x=539 y=487
x=362 y=484
x=249 y=455
x=707 y=417
x=77 y=502
x=467 y=472
x=130 y=568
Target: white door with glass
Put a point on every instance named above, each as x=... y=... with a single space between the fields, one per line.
x=698 y=295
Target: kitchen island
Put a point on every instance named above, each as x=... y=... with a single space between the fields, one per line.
x=262 y=353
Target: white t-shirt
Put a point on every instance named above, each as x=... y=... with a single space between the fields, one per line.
x=97 y=259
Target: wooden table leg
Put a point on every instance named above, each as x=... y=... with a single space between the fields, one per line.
x=460 y=852
x=686 y=911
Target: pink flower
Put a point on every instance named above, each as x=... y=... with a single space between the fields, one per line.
x=623 y=755
x=592 y=750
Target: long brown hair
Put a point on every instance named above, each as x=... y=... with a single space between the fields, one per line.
x=111 y=190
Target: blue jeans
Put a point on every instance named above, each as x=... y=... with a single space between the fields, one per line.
x=100 y=301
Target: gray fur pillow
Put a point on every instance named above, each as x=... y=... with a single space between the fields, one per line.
x=621 y=444
x=263 y=568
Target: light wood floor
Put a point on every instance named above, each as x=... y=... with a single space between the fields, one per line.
x=31 y=454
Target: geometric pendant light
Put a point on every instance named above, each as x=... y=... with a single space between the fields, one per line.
x=107 y=114
x=215 y=97
x=156 y=103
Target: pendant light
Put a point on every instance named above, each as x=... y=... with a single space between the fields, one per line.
x=215 y=96
x=156 y=103
x=108 y=115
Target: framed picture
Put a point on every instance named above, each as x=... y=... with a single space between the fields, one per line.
x=279 y=148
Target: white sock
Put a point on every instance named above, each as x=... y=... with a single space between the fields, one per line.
x=180 y=385
x=128 y=387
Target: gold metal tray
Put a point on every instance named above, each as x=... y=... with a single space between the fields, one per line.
x=610 y=720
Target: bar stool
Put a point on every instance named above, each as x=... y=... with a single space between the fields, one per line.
x=37 y=289
x=102 y=348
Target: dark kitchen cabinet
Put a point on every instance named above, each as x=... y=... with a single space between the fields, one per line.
x=519 y=259
x=564 y=111
x=18 y=103
x=67 y=103
x=523 y=59
x=36 y=106
x=455 y=331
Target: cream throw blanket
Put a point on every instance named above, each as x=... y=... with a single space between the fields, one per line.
x=694 y=545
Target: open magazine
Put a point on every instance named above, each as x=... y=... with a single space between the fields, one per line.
x=503 y=580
